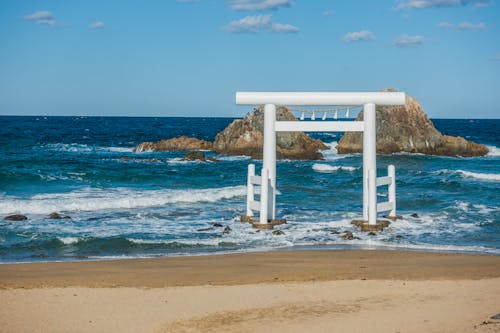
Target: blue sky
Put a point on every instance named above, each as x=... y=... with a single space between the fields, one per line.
x=188 y=58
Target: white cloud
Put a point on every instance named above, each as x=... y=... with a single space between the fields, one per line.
x=462 y=26
x=482 y=4
x=258 y=4
x=445 y=25
x=496 y=57
x=42 y=17
x=471 y=26
x=328 y=13
x=257 y=23
x=422 y=4
x=254 y=23
x=285 y=28
x=96 y=25
x=408 y=41
x=363 y=35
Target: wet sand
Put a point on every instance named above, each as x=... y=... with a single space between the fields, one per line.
x=288 y=291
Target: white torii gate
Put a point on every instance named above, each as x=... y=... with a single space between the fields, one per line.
x=267 y=180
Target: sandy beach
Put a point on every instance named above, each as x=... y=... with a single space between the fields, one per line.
x=299 y=291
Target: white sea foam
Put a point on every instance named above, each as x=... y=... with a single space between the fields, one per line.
x=493 y=151
x=180 y=160
x=83 y=148
x=118 y=149
x=470 y=174
x=482 y=176
x=483 y=209
x=332 y=154
x=91 y=199
x=331 y=168
x=233 y=158
x=405 y=153
x=68 y=240
x=69 y=147
x=72 y=176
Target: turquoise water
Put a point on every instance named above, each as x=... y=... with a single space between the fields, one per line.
x=126 y=204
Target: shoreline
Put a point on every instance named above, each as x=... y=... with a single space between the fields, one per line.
x=251 y=268
x=298 y=248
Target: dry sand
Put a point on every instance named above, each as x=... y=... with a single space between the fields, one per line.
x=301 y=291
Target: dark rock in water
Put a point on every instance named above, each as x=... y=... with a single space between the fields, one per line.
x=194 y=156
x=205 y=229
x=16 y=217
x=227 y=230
x=414 y=215
x=176 y=144
x=217 y=225
x=278 y=232
x=198 y=156
x=245 y=137
x=349 y=236
x=371 y=233
x=125 y=158
x=57 y=216
x=408 y=129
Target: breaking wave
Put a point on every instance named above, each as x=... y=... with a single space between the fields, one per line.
x=494 y=151
x=482 y=176
x=330 y=168
x=469 y=174
x=331 y=154
x=83 y=148
x=91 y=199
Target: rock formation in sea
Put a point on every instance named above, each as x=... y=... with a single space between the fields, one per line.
x=175 y=144
x=245 y=137
x=408 y=129
x=57 y=216
x=198 y=156
x=16 y=217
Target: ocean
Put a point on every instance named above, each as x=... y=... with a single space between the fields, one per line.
x=125 y=205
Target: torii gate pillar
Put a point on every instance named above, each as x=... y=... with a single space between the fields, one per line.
x=369 y=159
x=269 y=157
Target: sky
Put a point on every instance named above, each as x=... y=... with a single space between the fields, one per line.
x=189 y=57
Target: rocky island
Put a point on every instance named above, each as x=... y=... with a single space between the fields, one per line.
x=399 y=129
x=408 y=129
x=245 y=137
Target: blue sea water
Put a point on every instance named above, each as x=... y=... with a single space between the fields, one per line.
x=124 y=204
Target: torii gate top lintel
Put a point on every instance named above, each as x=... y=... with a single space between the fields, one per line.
x=267 y=180
x=320 y=98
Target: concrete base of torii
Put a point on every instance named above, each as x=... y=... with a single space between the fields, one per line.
x=365 y=226
x=255 y=222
